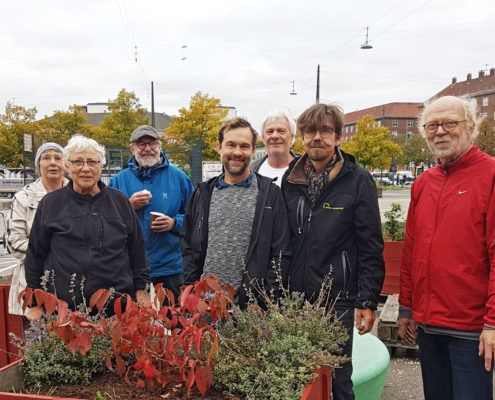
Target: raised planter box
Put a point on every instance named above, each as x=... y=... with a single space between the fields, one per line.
x=10 y=378
x=392 y=254
x=8 y=324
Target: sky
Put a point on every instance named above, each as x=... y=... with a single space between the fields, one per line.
x=249 y=54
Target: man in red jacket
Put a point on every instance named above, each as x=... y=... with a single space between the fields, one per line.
x=448 y=265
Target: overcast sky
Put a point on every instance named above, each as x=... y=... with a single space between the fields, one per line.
x=56 y=53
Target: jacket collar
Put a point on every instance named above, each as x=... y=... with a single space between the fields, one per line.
x=470 y=157
x=298 y=175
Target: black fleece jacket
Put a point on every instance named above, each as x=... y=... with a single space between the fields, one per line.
x=339 y=236
x=269 y=238
x=98 y=237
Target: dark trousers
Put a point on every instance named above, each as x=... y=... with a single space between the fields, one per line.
x=171 y=282
x=341 y=382
x=452 y=369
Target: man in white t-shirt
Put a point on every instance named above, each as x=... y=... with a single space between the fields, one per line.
x=278 y=131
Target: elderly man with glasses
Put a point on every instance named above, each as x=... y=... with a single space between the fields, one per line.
x=158 y=192
x=335 y=229
x=448 y=265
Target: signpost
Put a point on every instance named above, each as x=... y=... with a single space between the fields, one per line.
x=28 y=147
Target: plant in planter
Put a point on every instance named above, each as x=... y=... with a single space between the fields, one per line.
x=393 y=234
x=273 y=352
x=148 y=346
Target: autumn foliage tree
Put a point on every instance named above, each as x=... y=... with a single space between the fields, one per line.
x=486 y=137
x=202 y=120
x=14 y=123
x=126 y=114
x=372 y=145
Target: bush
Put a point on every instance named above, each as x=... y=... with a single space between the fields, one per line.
x=273 y=353
x=393 y=229
x=47 y=360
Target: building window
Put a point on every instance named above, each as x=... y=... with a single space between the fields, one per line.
x=379 y=123
x=395 y=123
x=395 y=134
x=409 y=134
x=352 y=128
x=410 y=123
x=485 y=101
x=484 y=115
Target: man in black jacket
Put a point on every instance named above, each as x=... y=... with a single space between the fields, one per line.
x=236 y=224
x=335 y=228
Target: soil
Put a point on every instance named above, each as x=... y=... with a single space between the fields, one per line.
x=111 y=387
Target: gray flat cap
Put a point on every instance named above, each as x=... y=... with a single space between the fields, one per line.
x=142 y=131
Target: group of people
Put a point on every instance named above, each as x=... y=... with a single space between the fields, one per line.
x=313 y=216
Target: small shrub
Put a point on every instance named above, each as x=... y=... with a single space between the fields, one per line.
x=46 y=359
x=273 y=353
x=393 y=229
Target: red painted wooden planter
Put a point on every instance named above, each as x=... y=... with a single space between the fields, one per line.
x=319 y=389
x=8 y=324
x=392 y=254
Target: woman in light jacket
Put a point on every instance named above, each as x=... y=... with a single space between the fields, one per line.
x=49 y=164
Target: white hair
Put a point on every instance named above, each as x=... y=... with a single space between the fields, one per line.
x=82 y=143
x=471 y=113
x=275 y=115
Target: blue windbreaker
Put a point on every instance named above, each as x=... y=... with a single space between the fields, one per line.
x=170 y=189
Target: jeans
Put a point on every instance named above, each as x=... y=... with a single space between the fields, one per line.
x=341 y=382
x=171 y=282
x=452 y=369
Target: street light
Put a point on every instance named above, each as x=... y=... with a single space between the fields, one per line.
x=366 y=45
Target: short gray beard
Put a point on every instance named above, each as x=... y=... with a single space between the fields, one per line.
x=148 y=163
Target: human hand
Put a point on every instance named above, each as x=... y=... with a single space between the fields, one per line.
x=365 y=318
x=407 y=330
x=140 y=199
x=142 y=296
x=33 y=313
x=162 y=223
x=487 y=347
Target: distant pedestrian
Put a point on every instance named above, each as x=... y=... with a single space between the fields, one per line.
x=447 y=278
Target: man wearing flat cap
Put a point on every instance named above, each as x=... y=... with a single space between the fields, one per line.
x=155 y=186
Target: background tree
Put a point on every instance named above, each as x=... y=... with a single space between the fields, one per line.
x=126 y=114
x=372 y=145
x=63 y=124
x=486 y=137
x=202 y=119
x=416 y=149
x=298 y=146
x=14 y=123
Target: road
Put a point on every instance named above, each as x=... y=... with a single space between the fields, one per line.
x=394 y=196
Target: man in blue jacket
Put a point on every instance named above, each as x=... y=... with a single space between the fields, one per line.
x=152 y=184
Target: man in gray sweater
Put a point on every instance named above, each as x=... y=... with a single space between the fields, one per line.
x=236 y=224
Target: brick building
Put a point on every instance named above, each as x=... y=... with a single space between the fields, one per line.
x=400 y=118
x=482 y=88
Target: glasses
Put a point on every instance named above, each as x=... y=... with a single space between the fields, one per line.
x=153 y=145
x=80 y=163
x=448 y=126
x=326 y=132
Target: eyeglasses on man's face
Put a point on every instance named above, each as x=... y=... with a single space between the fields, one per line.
x=79 y=164
x=326 y=132
x=153 y=144
x=448 y=126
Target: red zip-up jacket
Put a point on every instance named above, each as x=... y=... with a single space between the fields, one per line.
x=448 y=266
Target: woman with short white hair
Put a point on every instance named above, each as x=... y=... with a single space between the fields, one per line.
x=49 y=165
x=87 y=235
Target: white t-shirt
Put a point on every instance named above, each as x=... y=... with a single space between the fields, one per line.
x=270 y=172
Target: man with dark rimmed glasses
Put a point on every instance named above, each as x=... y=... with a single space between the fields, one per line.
x=152 y=184
x=335 y=229
x=448 y=266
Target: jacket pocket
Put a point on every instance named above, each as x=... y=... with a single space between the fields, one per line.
x=346 y=270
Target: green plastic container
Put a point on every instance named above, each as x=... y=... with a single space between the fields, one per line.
x=370 y=361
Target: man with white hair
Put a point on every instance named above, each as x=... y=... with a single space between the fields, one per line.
x=447 y=278
x=153 y=185
x=278 y=131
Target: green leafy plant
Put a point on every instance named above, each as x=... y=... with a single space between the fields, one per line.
x=393 y=229
x=272 y=352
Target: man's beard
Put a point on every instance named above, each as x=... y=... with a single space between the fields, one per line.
x=236 y=171
x=148 y=161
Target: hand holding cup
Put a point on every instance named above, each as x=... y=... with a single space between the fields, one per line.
x=161 y=222
x=140 y=199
